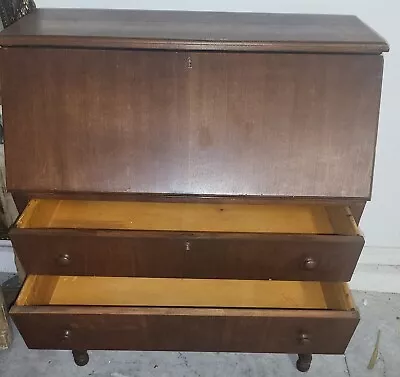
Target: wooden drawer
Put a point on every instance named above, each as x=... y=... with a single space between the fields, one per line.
x=231 y=241
x=75 y=312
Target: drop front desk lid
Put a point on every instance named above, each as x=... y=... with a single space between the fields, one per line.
x=191 y=103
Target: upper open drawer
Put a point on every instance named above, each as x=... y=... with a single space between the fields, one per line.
x=259 y=241
x=189 y=217
x=201 y=123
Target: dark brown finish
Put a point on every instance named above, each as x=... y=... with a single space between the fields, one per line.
x=101 y=253
x=21 y=200
x=193 y=31
x=304 y=362
x=165 y=254
x=357 y=209
x=186 y=329
x=172 y=120
x=277 y=257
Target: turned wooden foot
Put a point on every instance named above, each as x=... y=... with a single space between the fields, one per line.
x=81 y=358
x=304 y=362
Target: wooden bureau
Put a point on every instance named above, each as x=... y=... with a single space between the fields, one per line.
x=189 y=181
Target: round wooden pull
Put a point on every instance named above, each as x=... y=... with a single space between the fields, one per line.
x=67 y=334
x=304 y=339
x=64 y=259
x=310 y=264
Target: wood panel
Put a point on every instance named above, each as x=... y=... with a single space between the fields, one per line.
x=165 y=254
x=190 y=122
x=357 y=210
x=114 y=253
x=274 y=257
x=112 y=291
x=185 y=329
x=193 y=30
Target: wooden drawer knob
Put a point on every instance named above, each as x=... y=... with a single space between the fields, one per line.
x=309 y=264
x=64 y=260
x=304 y=339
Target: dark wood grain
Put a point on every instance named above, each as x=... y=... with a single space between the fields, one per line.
x=185 y=329
x=276 y=257
x=165 y=254
x=270 y=125
x=101 y=253
x=193 y=30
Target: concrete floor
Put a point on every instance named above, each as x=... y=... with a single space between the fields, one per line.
x=378 y=311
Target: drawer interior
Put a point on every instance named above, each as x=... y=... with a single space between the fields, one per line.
x=191 y=217
x=149 y=292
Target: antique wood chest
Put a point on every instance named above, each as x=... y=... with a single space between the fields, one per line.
x=189 y=181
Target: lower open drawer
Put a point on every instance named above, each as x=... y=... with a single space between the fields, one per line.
x=80 y=312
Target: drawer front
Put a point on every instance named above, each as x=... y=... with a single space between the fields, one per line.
x=172 y=254
x=277 y=257
x=169 y=122
x=86 y=312
x=186 y=329
x=102 y=253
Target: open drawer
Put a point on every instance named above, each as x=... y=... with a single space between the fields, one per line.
x=80 y=312
x=228 y=241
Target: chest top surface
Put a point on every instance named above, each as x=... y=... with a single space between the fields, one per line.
x=193 y=30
